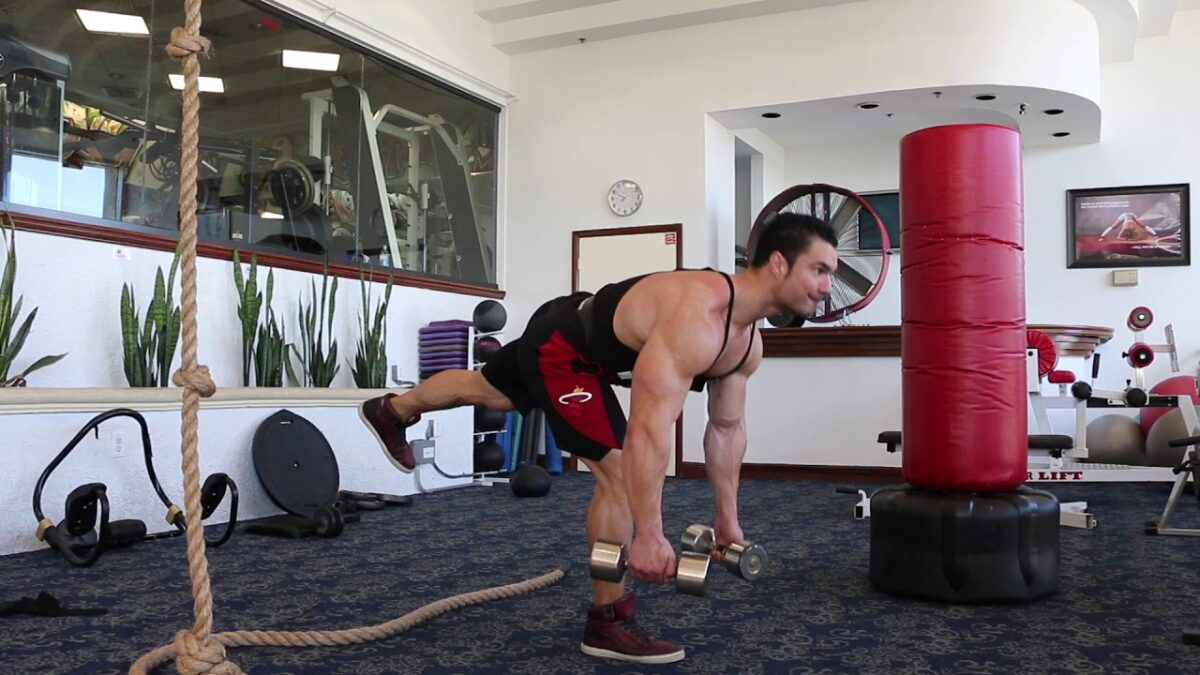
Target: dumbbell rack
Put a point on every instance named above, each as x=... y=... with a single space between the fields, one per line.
x=483 y=479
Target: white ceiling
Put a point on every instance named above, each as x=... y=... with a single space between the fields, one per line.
x=521 y=26
x=840 y=120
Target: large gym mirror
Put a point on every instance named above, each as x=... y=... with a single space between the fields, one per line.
x=310 y=145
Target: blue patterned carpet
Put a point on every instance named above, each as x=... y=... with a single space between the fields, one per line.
x=1123 y=601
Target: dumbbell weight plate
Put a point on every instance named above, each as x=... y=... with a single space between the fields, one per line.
x=691 y=577
x=748 y=562
x=698 y=538
x=608 y=561
x=330 y=522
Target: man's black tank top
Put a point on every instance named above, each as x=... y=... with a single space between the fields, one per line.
x=617 y=359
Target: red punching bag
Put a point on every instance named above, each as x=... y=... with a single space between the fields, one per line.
x=963 y=308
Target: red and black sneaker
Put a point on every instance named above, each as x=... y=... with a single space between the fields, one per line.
x=387 y=426
x=612 y=633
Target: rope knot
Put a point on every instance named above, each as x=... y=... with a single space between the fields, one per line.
x=196 y=379
x=184 y=44
x=195 y=657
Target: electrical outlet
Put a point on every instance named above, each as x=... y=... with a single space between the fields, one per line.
x=423 y=451
x=1125 y=278
x=118 y=445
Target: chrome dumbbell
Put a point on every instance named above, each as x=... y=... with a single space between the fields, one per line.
x=747 y=560
x=691 y=575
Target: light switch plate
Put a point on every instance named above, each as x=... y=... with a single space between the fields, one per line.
x=1125 y=278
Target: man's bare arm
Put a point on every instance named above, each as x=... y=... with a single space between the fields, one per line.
x=680 y=348
x=725 y=440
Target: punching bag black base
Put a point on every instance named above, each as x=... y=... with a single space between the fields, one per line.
x=964 y=547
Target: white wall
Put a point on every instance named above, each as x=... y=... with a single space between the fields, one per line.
x=744 y=217
x=640 y=107
x=767 y=172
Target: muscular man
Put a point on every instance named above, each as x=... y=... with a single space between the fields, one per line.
x=662 y=335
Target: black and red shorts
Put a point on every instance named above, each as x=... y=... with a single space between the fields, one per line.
x=548 y=367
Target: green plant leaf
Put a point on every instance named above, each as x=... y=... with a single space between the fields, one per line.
x=39 y=364
x=238 y=281
x=18 y=341
x=6 y=293
x=174 y=268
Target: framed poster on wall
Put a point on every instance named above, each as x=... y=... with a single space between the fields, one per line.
x=1144 y=226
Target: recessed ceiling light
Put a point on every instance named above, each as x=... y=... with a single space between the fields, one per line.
x=294 y=58
x=1061 y=134
x=1052 y=111
x=985 y=97
x=213 y=85
x=771 y=115
x=869 y=105
x=112 y=24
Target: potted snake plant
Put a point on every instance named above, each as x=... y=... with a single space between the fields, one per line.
x=149 y=346
x=13 y=329
x=370 y=361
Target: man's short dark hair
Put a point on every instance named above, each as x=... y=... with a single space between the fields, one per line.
x=791 y=234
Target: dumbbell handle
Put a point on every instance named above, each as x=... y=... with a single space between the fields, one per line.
x=691 y=572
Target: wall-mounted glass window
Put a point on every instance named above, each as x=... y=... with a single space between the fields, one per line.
x=309 y=145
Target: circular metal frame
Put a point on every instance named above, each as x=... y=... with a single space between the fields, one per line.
x=792 y=195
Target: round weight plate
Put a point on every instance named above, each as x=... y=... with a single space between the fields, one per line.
x=295 y=464
x=1140 y=355
x=691 y=577
x=698 y=538
x=608 y=561
x=292 y=187
x=751 y=560
x=1140 y=318
x=1046 y=349
x=329 y=522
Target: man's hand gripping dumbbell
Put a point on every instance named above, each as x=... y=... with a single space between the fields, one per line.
x=745 y=560
x=691 y=572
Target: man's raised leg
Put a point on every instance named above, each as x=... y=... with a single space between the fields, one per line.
x=388 y=416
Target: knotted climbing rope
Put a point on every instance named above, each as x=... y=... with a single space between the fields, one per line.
x=198 y=651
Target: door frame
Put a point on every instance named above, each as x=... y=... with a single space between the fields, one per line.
x=572 y=464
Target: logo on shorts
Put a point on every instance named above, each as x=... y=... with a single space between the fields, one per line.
x=579 y=396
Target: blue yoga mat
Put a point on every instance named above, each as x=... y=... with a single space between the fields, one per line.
x=505 y=439
x=553 y=453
